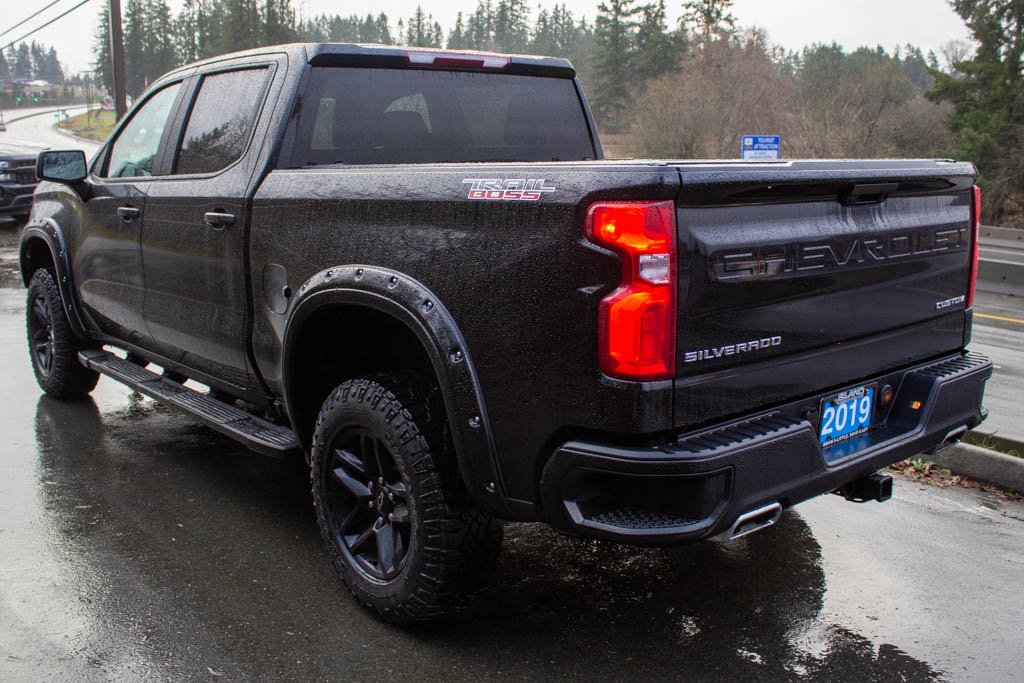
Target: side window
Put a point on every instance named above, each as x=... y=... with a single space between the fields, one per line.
x=221 y=121
x=134 y=150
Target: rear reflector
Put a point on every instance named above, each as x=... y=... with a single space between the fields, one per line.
x=975 y=237
x=637 y=322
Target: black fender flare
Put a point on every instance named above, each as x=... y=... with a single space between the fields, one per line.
x=49 y=233
x=410 y=302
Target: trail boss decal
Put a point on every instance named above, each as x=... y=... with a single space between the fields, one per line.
x=516 y=190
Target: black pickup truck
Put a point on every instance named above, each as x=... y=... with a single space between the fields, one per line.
x=417 y=269
x=17 y=178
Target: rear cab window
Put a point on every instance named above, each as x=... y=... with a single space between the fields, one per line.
x=356 y=115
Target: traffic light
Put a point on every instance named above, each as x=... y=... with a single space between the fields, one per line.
x=19 y=99
x=35 y=98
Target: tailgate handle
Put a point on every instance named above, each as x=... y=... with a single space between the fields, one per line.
x=869 y=193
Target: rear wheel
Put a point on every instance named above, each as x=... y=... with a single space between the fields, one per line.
x=52 y=346
x=402 y=532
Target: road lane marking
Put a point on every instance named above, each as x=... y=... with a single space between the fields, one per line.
x=1000 y=318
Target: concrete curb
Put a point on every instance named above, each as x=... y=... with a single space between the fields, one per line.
x=1005 y=471
x=989 y=439
x=76 y=138
x=34 y=114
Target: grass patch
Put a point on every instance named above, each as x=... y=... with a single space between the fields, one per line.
x=92 y=125
x=992 y=444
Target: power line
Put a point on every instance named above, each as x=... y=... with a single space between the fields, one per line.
x=26 y=19
x=37 y=30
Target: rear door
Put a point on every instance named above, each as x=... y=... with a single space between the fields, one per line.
x=193 y=236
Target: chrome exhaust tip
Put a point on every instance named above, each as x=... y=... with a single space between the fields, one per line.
x=751 y=522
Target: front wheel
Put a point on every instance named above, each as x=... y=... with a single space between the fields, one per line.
x=401 y=530
x=52 y=346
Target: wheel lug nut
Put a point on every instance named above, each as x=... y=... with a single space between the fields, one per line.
x=391 y=497
x=380 y=480
x=371 y=504
x=391 y=517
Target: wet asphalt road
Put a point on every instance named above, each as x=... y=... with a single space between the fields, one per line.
x=136 y=545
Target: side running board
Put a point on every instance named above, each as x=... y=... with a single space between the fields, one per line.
x=258 y=434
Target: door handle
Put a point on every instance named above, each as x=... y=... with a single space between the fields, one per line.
x=128 y=213
x=216 y=219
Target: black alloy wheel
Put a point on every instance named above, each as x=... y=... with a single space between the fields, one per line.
x=370 y=514
x=40 y=334
x=402 y=531
x=52 y=345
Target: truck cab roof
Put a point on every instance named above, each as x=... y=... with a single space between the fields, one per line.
x=395 y=57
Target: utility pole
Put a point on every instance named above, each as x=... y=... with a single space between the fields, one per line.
x=117 y=59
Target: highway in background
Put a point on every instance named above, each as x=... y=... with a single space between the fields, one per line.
x=38 y=129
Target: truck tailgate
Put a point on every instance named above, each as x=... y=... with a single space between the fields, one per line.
x=800 y=276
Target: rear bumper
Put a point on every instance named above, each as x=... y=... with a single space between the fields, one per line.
x=698 y=485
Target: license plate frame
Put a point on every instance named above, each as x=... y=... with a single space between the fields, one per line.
x=847 y=414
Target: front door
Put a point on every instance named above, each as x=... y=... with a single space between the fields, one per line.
x=107 y=259
x=193 y=236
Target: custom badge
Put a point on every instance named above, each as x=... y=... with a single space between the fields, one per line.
x=514 y=190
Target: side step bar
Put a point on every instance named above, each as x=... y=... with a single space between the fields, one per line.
x=258 y=434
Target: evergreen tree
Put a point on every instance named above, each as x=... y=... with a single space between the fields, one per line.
x=567 y=33
x=422 y=30
x=480 y=27
x=38 y=53
x=192 y=31
x=657 y=50
x=987 y=93
x=52 y=70
x=708 y=18
x=160 y=54
x=384 y=30
x=22 y=62
x=239 y=23
x=615 y=35
x=457 y=39
x=915 y=65
x=135 y=45
x=511 y=25
x=5 y=69
x=544 y=40
x=278 y=22
x=101 y=48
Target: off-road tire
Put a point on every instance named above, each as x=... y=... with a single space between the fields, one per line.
x=46 y=323
x=453 y=544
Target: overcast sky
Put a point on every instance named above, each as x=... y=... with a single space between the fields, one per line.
x=790 y=23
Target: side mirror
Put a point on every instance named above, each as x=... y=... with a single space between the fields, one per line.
x=62 y=167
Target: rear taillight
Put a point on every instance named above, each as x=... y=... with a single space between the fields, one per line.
x=975 y=237
x=637 y=322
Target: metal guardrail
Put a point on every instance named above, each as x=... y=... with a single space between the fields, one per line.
x=1001 y=267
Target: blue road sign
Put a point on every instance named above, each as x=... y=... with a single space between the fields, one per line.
x=761 y=147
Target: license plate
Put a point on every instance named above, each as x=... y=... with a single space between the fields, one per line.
x=847 y=414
